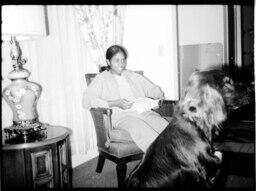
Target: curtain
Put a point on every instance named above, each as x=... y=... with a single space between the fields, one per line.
x=101 y=26
x=58 y=62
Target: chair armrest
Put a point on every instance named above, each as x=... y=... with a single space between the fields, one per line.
x=166 y=107
x=102 y=122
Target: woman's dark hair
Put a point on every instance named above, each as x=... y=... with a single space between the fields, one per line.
x=112 y=51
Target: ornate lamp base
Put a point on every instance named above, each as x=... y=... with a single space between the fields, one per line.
x=25 y=131
x=22 y=96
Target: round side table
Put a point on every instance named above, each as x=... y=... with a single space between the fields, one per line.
x=41 y=163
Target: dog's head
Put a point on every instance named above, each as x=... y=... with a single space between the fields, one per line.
x=203 y=102
x=235 y=93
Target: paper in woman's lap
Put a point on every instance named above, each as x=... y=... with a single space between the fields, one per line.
x=143 y=104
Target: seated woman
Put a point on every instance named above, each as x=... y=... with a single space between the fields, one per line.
x=117 y=88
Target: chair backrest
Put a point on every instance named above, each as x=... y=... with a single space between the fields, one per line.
x=90 y=76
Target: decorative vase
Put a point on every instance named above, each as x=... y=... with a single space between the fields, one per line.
x=22 y=96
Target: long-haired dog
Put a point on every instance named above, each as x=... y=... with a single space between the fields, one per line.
x=182 y=156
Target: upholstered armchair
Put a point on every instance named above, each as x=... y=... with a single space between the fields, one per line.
x=116 y=144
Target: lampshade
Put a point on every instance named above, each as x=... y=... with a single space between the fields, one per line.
x=23 y=21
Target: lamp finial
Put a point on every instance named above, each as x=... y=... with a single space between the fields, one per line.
x=16 y=54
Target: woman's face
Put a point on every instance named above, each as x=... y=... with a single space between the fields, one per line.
x=117 y=63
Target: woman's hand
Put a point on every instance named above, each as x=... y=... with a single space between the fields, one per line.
x=121 y=103
x=160 y=96
x=124 y=104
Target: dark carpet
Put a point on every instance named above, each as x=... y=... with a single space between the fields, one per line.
x=85 y=176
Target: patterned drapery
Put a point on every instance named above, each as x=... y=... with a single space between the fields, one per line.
x=101 y=26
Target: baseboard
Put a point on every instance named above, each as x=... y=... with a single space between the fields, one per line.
x=80 y=159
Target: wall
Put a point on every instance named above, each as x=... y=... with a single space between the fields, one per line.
x=150 y=37
x=201 y=33
x=200 y=24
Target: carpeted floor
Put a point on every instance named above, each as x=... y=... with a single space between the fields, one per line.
x=84 y=176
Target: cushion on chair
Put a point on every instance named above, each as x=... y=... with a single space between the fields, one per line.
x=120 y=136
x=122 y=149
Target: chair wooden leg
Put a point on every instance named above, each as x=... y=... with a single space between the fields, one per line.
x=101 y=161
x=121 y=174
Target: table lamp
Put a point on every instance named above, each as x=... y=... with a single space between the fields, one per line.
x=22 y=22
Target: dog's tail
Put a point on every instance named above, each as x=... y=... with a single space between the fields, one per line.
x=132 y=181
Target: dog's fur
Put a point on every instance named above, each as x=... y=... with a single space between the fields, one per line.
x=182 y=156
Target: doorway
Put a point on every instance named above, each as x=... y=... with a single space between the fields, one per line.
x=241 y=42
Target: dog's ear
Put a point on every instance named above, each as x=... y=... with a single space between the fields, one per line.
x=215 y=107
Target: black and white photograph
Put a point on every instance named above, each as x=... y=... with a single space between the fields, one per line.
x=128 y=96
